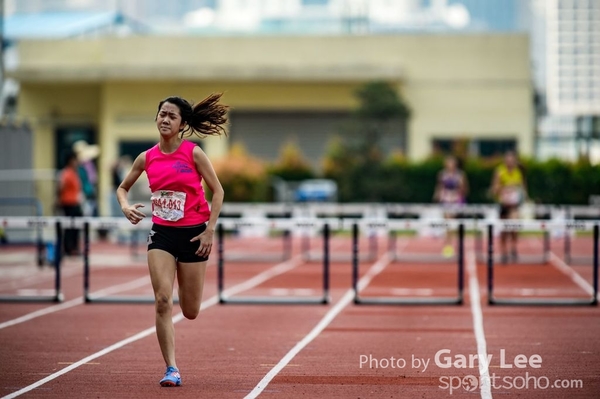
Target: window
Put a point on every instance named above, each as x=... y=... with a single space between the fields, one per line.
x=475 y=147
x=64 y=139
x=442 y=146
x=495 y=147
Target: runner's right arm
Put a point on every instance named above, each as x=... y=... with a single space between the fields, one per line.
x=131 y=212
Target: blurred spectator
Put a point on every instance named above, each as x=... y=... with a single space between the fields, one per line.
x=86 y=154
x=70 y=198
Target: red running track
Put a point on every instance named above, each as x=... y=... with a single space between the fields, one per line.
x=339 y=350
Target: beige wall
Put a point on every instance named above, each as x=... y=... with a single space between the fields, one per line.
x=128 y=108
x=469 y=111
x=307 y=58
x=457 y=86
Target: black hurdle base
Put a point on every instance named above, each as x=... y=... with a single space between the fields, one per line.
x=267 y=300
x=256 y=300
x=125 y=300
x=543 y=302
x=58 y=295
x=408 y=301
x=492 y=300
x=458 y=300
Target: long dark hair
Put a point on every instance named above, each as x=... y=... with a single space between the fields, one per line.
x=207 y=118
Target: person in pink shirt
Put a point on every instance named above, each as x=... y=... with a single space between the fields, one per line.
x=183 y=223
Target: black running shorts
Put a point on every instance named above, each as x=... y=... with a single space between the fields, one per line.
x=176 y=241
x=507 y=210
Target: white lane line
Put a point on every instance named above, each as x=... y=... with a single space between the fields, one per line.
x=35 y=292
x=258 y=279
x=571 y=273
x=33 y=275
x=568 y=271
x=139 y=282
x=373 y=271
x=475 y=298
x=114 y=289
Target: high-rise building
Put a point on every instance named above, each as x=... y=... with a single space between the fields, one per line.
x=573 y=57
x=566 y=55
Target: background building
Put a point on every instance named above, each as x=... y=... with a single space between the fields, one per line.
x=569 y=125
x=288 y=68
x=281 y=89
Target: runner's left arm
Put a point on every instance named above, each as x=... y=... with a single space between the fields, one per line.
x=206 y=170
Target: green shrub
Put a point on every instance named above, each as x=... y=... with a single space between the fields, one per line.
x=363 y=175
x=243 y=177
x=479 y=174
x=397 y=180
x=339 y=164
x=291 y=165
x=559 y=182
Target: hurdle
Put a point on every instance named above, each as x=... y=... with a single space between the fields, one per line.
x=323 y=299
x=36 y=204
x=577 y=214
x=247 y=217
x=517 y=225
x=338 y=213
x=413 y=225
x=522 y=259
x=309 y=256
x=241 y=224
x=39 y=223
x=286 y=251
x=109 y=223
x=458 y=300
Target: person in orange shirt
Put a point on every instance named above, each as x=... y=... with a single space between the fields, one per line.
x=70 y=197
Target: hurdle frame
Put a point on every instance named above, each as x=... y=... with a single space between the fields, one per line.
x=569 y=258
x=492 y=300
x=307 y=256
x=573 y=215
x=458 y=300
x=89 y=298
x=412 y=225
x=526 y=259
x=285 y=255
x=31 y=201
x=266 y=300
x=39 y=223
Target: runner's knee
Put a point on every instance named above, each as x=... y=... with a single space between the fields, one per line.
x=164 y=304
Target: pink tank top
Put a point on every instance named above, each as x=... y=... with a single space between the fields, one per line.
x=177 y=194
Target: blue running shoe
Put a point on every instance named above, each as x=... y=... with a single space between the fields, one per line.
x=171 y=378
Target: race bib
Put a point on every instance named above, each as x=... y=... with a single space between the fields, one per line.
x=168 y=205
x=511 y=196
